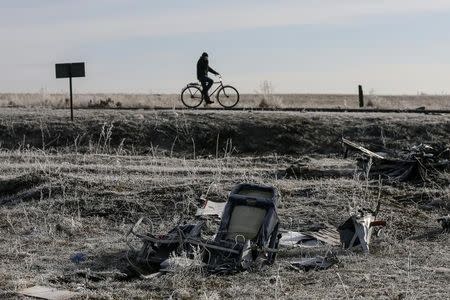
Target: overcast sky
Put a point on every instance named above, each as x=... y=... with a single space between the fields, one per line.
x=301 y=46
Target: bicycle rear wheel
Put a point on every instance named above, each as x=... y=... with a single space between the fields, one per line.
x=228 y=96
x=191 y=96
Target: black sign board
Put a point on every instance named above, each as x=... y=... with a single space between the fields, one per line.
x=70 y=70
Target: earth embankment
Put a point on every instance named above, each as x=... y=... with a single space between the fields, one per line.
x=182 y=133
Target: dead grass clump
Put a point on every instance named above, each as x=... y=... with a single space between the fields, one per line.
x=104 y=103
x=376 y=101
x=268 y=98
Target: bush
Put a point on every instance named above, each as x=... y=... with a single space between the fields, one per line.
x=269 y=99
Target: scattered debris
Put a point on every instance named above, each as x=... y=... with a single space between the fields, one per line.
x=297 y=239
x=350 y=145
x=157 y=249
x=211 y=208
x=419 y=163
x=328 y=235
x=49 y=293
x=314 y=263
x=78 y=257
x=445 y=222
x=247 y=234
x=356 y=231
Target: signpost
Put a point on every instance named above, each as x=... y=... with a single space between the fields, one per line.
x=361 y=96
x=70 y=70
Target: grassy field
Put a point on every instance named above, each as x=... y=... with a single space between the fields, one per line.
x=263 y=99
x=68 y=188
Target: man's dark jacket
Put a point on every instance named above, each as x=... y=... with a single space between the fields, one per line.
x=203 y=68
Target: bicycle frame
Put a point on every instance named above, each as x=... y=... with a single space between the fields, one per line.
x=217 y=88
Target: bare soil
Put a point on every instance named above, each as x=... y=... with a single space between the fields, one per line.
x=76 y=188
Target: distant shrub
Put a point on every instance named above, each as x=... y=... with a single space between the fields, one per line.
x=107 y=103
x=13 y=104
x=263 y=103
x=269 y=99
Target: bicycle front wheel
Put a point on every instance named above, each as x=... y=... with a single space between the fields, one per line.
x=228 y=96
x=191 y=96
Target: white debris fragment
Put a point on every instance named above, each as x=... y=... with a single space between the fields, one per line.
x=43 y=292
x=211 y=208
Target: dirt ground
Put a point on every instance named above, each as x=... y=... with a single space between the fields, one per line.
x=71 y=190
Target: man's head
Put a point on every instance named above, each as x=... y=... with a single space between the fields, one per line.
x=204 y=54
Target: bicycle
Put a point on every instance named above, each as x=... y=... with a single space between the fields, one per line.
x=192 y=95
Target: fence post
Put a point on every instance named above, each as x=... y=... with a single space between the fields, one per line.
x=361 y=96
x=71 y=98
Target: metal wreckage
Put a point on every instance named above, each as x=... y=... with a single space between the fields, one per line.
x=248 y=232
x=420 y=163
x=416 y=165
x=248 y=236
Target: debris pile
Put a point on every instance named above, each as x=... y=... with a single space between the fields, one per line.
x=247 y=235
x=419 y=163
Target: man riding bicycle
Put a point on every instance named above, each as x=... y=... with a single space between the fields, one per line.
x=202 y=75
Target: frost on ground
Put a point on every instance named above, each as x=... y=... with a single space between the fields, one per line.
x=64 y=213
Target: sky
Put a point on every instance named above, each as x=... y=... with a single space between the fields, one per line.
x=299 y=46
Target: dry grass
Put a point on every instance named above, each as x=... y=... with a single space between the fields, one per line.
x=206 y=133
x=266 y=97
x=98 y=197
x=87 y=201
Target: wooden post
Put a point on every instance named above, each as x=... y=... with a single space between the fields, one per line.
x=71 y=99
x=361 y=96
